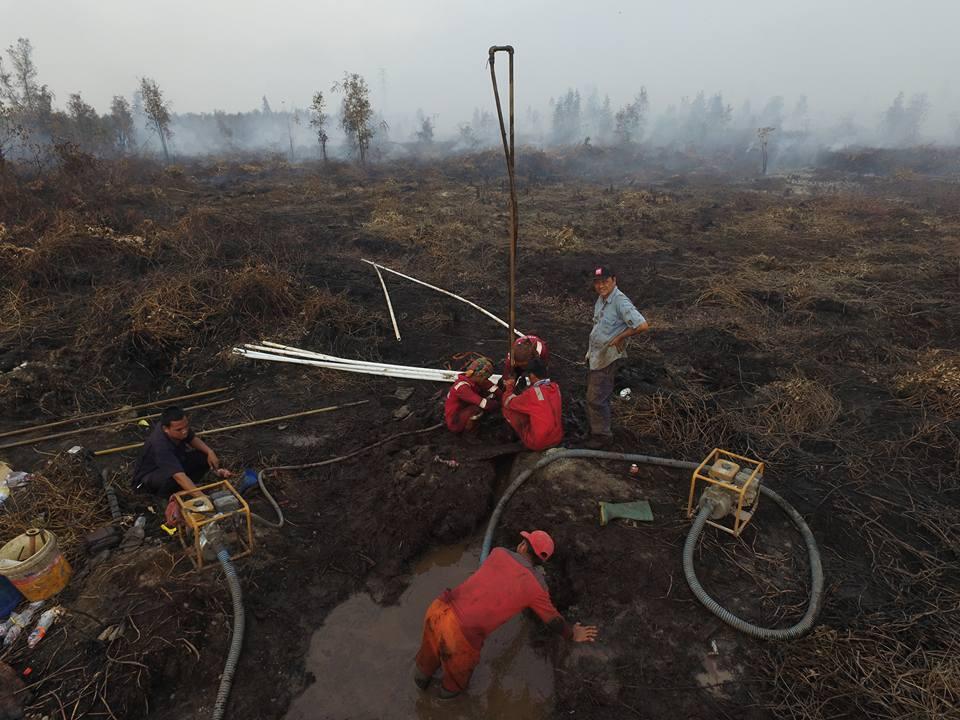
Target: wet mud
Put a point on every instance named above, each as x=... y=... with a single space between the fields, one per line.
x=361 y=659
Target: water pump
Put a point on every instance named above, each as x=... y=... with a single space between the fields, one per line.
x=731 y=486
x=215 y=516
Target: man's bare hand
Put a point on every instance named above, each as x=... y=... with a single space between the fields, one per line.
x=212 y=460
x=584 y=633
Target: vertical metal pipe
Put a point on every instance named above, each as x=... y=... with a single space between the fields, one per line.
x=510 y=154
x=514 y=222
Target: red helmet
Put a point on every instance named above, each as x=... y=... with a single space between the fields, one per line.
x=540 y=542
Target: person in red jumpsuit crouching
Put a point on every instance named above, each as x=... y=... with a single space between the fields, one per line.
x=470 y=396
x=457 y=622
x=532 y=405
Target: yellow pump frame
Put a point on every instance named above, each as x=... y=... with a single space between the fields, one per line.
x=195 y=522
x=742 y=516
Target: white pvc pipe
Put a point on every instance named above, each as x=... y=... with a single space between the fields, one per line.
x=278 y=349
x=401 y=371
x=446 y=376
x=445 y=292
x=393 y=318
x=372 y=367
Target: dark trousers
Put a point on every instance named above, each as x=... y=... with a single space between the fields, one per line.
x=599 y=390
x=161 y=483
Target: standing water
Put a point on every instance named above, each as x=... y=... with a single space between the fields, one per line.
x=362 y=659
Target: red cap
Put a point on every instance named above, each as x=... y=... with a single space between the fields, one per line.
x=539 y=542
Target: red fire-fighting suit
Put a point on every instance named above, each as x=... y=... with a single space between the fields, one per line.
x=538 y=346
x=457 y=622
x=467 y=400
x=535 y=415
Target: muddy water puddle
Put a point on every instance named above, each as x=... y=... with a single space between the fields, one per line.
x=362 y=659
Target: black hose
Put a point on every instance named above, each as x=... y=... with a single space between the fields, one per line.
x=816 y=566
x=236 y=642
x=816 y=575
x=111 y=494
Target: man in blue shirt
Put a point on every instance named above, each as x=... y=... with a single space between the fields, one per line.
x=614 y=320
x=173 y=458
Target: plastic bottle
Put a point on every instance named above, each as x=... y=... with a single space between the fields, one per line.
x=133 y=537
x=43 y=624
x=18 y=621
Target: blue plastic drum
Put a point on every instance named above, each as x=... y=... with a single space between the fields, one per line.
x=10 y=597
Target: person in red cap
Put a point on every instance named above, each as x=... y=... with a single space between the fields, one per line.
x=534 y=411
x=457 y=622
x=470 y=396
x=614 y=320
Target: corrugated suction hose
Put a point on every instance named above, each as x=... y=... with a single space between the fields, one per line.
x=816 y=565
x=236 y=642
x=816 y=575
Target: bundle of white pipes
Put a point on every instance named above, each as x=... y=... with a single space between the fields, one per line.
x=275 y=352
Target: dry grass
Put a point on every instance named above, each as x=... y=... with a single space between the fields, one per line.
x=64 y=498
x=870 y=673
x=687 y=423
x=784 y=412
x=933 y=384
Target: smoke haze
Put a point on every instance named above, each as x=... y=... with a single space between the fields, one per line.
x=845 y=62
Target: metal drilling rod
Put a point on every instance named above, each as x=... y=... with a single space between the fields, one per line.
x=509 y=153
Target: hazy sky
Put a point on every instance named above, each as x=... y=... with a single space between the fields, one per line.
x=847 y=56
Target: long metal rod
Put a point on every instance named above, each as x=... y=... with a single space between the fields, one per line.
x=509 y=152
x=393 y=318
x=80 y=431
x=252 y=423
x=91 y=416
x=445 y=292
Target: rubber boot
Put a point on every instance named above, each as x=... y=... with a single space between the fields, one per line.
x=445 y=694
x=422 y=681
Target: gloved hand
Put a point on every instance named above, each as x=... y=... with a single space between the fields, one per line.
x=522 y=382
x=489 y=405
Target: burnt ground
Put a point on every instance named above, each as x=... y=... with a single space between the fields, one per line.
x=809 y=320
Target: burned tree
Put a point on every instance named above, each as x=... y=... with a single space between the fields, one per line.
x=567 y=122
x=355 y=112
x=631 y=119
x=425 y=133
x=85 y=121
x=11 y=132
x=157 y=111
x=318 y=121
x=763 y=135
x=30 y=103
x=121 y=120
x=902 y=122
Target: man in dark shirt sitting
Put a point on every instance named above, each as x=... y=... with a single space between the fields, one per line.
x=174 y=458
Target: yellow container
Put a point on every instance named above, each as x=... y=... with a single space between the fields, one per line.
x=34 y=564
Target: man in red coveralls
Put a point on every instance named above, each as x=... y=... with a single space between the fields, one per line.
x=457 y=622
x=534 y=413
x=471 y=395
x=525 y=348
